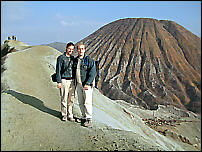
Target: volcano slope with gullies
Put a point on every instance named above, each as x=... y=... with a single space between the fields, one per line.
x=148 y=62
x=30 y=113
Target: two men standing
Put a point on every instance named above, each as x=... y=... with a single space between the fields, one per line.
x=80 y=73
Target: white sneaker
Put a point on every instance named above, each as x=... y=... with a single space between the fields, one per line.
x=64 y=118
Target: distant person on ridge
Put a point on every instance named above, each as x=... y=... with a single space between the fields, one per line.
x=85 y=70
x=65 y=82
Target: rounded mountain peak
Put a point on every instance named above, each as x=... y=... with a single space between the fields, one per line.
x=148 y=62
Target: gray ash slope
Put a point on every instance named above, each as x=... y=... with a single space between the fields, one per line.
x=148 y=62
x=57 y=45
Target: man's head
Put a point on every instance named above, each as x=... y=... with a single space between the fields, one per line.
x=69 y=48
x=81 y=49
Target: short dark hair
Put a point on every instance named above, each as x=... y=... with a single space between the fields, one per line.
x=69 y=44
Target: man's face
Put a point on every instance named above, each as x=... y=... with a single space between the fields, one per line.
x=70 y=49
x=81 y=50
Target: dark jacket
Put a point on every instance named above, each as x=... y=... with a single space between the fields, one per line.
x=62 y=62
x=87 y=70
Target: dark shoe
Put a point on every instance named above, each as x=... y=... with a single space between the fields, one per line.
x=78 y=120
x=82 y=120
x=64 y=118
x=71 y=119
x=87 y=123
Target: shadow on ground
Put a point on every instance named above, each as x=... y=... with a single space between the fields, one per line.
x=34 y=102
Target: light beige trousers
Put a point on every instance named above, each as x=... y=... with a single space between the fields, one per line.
x=85 y=101
x=67 y=97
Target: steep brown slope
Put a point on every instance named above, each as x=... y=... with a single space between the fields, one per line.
x=148 y=62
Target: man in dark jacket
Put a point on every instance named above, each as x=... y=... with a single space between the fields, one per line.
x=85 y=71
x=65 y=82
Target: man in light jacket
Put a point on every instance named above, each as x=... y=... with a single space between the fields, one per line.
x=85 y=71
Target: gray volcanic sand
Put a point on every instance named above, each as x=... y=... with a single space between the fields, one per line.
x=30 y=113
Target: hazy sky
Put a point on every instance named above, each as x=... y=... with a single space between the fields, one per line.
x=44 y=22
